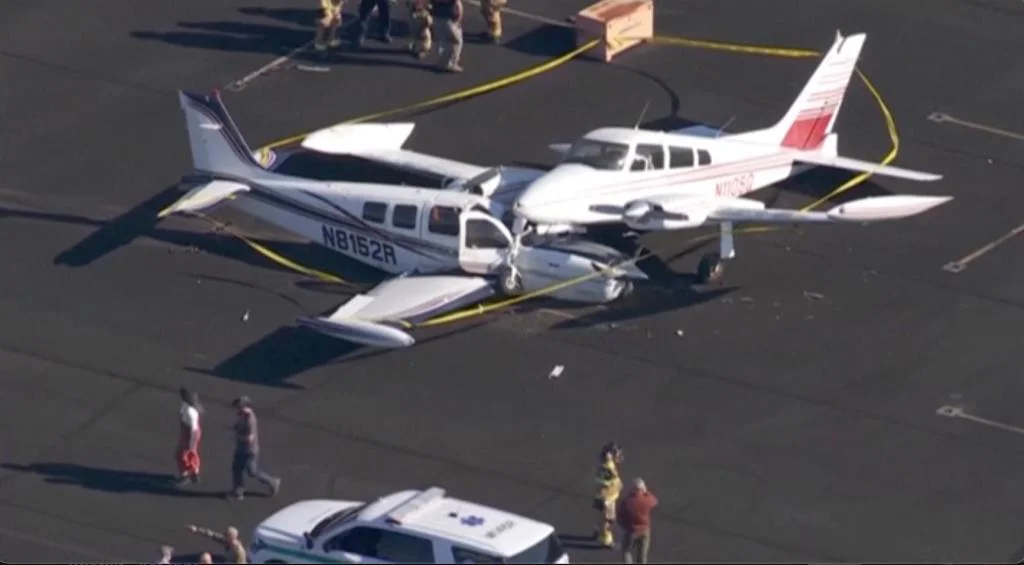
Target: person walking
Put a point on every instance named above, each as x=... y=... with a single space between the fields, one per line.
x=634 y=516
x=247 y=451
x=366 y=8
x=189 y=434
x=447 y=16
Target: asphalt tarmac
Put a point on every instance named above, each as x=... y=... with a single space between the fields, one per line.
x=788 y=416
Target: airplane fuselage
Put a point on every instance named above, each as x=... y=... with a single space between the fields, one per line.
x=582 y=195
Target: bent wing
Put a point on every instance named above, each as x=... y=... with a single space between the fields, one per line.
x=382 y=316
x=871 y=209
x=382 y=143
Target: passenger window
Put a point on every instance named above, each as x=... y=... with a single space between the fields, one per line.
x=655 y=153
x=680 y=157
x=444 y=220
x=375 y=212
x=703 y=157
x=466 y=556
x=404 y=548
x=404 y=216
x=483 y=234
x=360 y=541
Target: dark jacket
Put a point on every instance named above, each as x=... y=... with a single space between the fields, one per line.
x=634 y=512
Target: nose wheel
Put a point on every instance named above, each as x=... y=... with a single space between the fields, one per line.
x=711 y=269
x=511 y=282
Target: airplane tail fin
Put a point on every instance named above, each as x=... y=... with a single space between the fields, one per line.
x=217 y=146
x=813 y=115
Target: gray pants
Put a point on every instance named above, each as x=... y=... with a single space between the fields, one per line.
x=448 y=35
x=635 y=547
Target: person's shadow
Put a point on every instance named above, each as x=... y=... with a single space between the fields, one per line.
x=109 y=480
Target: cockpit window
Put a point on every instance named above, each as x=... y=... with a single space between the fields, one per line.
x=602 y=155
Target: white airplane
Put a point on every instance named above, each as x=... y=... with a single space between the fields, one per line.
x=656 y=180
x=447 y=248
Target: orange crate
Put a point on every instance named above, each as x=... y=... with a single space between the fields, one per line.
x=619 y=24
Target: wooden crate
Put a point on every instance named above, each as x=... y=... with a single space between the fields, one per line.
x=619 y=24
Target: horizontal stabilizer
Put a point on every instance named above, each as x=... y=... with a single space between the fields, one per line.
x=352 y=139
x=204 y=197
x=850 y=164
x=363 y=332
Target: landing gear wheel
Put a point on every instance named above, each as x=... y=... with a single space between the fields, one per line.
x=711 y=269
x=511 y=283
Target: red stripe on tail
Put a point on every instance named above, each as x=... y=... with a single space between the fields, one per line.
x=808 y=133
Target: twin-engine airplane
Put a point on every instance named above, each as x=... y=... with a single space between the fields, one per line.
x=448 y=248
x=655 y=180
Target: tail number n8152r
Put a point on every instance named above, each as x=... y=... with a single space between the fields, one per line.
x=357 y=244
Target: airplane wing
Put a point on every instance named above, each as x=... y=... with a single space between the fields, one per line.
x=381 y=317
x=871 y=209
x=851 y=164
x=672 y=212
x=382 y=143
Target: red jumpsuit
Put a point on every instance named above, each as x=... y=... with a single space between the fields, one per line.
x=188 y=442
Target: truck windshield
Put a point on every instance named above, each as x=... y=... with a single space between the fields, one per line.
x=602 y=155
x=335 y=519
x=549 y=550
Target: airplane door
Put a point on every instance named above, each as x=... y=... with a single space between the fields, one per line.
x=483 y=243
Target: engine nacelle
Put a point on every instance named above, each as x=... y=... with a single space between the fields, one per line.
x=645 y=215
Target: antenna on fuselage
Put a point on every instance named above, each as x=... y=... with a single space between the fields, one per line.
x=725 y=125
x=642 y=114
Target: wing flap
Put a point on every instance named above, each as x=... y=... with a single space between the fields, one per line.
x=378 y=317
x=351 y=139
x=382 y=143
x=204 y=197
x=850 y=164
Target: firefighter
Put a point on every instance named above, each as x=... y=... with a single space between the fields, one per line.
x=609 y=485
x=327 y=25
x=421 y=20
x=189 y=435
x=491 y=11
x=229 y=540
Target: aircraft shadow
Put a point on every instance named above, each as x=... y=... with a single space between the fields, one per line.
x=646 y=301
x=114 y=234
x=272 y=39
x=109 y=480
x=545 y=40
x=291 y=350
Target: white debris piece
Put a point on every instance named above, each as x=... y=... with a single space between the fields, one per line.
x=245 y=317
x=813 y=295
x=679 y=333
x=556 y=372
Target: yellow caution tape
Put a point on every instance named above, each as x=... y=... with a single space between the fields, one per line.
x=529 y=73
x=270 y=254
